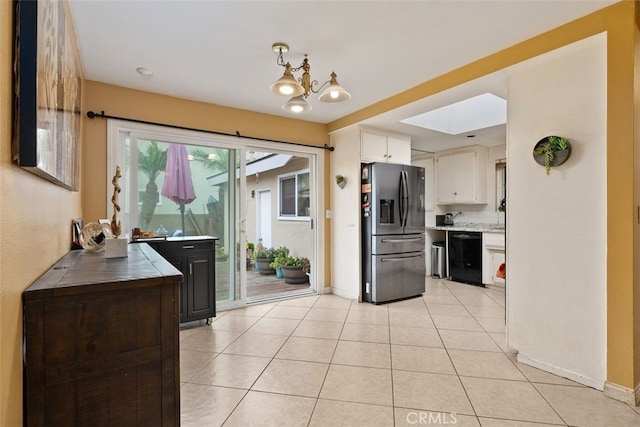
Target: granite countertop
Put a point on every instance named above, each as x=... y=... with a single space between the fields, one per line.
x=469 y=226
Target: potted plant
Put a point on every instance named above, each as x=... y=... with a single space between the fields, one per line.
x=264 y=257
x=551 y=151
x=295 y=270
x=341 y=181
x=279 y=259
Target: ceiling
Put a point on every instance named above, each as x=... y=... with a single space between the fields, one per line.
x=220 y=51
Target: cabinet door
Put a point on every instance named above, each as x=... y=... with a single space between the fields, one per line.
x=465 y=177
x=180 y=262
x=398 y=150
x=201 y=290
x=373 y=147
x=445 y=167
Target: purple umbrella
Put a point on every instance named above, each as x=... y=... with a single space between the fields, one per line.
x=177 y=179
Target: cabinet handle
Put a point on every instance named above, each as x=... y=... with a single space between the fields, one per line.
x=389 y=156
x=190 y=269
x=188 y=247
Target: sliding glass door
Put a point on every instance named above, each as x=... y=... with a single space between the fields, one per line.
x=247 y=195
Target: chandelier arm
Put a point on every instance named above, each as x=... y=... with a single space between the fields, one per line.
x=315 y=82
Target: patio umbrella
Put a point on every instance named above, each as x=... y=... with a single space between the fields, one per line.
x=177 y=185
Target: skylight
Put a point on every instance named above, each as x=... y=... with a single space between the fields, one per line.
x=471 y=114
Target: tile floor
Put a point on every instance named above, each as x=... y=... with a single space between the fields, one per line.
x=327 y=361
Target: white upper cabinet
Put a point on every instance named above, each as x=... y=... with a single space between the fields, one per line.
x=378 y=146
x=461 y=176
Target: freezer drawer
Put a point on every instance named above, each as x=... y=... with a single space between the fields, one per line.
x=394 y=244
x=397 y=276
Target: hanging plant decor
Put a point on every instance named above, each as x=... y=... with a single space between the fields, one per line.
x=551 y=151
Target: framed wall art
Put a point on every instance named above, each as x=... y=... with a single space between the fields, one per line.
x=47 y=92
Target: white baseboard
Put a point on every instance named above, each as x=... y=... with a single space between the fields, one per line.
x=561 y=372
x=343 y=294
x=623 y=394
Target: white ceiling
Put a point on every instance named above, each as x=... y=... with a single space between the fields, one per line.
x=220 y=51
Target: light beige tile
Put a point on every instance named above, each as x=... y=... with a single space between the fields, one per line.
x=186 y=333
x=234 y=323
x=493 y=312
x=415 y=336
x=334 y=413
x=254 y=344
x=275 y=326
x=448 y=310
x=300 y=301
x=413 y=417
x=485 y=364
x=369 y=317
x=316 y=329
x=358 y=353
x=204 y=405
x=501 y=340
x=192 y=361
x=410 y=319
x=332 y=301
x=287 y=312
x=209 y=340
x=479 y=300
x=536 y=375
x=358 y=384
x=232 y=370
x=584 y=406
x=258 y=310
x=459 y=323
x=468 y=340
x=513 y=400
x=493 y=422
x=292 y=377
x=359 y=306
x=424 y=359
x=440 y=299
x=492 y=324
x=432 y=392
x=308 y=349
x=327 y=314
x=366 y=333
x=413 y=304
x=269 y=409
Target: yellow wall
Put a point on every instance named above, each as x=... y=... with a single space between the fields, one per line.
x=35 y=215
x=35 y=230
x=618 y=21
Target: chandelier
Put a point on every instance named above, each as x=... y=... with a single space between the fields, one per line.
x=299 y=89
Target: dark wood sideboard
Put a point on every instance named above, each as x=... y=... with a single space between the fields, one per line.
x=101 y=341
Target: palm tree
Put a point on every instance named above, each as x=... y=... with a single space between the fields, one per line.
x=151 y=163
x=217 y=160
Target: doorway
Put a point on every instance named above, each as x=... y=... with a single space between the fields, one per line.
x=263 y=217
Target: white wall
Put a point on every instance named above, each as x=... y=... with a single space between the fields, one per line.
x=556 y=224
x=345 y=215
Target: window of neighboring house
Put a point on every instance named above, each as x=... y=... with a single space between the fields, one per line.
x=141 y=194
x=293 y=195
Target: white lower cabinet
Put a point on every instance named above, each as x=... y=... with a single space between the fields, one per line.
x=493 y=256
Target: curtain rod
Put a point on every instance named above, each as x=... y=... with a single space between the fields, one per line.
x=102 y=115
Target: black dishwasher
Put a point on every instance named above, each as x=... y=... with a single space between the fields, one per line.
x=465 y=257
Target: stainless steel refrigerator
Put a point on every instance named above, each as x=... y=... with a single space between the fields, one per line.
x=393 y=240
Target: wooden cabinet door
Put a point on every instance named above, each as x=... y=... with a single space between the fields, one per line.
x=445 y=167
x=373 y=147
x=465 y=177
x=180 y=262
x=398 y=150
x=201 y=302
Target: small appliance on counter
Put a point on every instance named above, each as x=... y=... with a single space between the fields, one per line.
x=448 y=219
x=439 y=220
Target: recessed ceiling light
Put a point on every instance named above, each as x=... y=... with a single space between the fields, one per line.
x=145 y=72
x=471 y=114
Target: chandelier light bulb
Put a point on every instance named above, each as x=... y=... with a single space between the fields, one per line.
x=286 y=90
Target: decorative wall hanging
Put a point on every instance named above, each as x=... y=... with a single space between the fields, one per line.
x=551 y=151
x=47 y=92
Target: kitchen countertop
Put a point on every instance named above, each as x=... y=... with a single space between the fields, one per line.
x=469 y=226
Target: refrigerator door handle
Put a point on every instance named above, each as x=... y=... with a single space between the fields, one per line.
x=401 y=204
x=400 y=259
x=414 y=239
x=405 y=195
